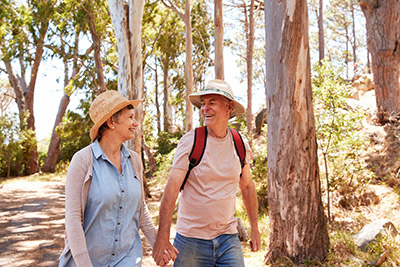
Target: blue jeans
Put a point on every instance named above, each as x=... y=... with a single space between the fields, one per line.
x=224 y=250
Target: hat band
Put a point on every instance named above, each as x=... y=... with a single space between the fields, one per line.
x=219 y=91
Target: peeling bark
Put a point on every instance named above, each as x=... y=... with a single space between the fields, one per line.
x=298 y=224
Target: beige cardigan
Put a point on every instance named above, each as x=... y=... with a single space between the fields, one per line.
x=76 y=193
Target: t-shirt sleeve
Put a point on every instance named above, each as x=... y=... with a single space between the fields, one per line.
x=249 y=154
x=181 y=157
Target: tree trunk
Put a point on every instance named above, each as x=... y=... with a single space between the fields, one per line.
x=24 y=98
x=97 y=49
x=127 y=24
x=354 y=41
x=119 y=17
x=298 y=224
x=219 y=39
x=321 y=41
x=54 y=150
x=347 y=51
x=383 y=40
x=166 y=97
x=249 y=62
x=188 y=66
x=157 y=101
x=135 y=28
x=55 y=141
x=151 y=158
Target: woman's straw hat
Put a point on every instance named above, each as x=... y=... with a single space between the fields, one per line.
x=218 y=87
x=104 y=106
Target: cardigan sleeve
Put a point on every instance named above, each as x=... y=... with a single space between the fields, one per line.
x=145 y=222
x=77 y=172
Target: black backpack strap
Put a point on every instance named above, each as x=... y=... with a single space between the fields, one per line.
x=239 y=146
x=199 y=146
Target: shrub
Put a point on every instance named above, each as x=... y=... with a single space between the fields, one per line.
x=340 y=145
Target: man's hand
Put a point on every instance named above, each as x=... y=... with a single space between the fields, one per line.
x=163 y=252
x=255 y=241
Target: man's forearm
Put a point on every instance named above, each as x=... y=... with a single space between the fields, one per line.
x=167 y=208
x=250 y=202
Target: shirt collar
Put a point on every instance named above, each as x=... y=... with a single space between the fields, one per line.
x=98 y=152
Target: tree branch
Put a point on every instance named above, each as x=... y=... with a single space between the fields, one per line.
x=157 y=37
x=174 y=8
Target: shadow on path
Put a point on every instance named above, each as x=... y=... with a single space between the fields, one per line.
x=31 y=223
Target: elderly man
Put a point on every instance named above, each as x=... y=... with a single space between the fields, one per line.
x=206 y=227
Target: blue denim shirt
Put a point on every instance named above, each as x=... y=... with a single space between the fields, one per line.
x=111 y=218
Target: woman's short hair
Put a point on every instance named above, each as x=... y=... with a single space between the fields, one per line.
x=115 y=117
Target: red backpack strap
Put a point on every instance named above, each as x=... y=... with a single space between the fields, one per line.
x=239 y=146
x=199 y=145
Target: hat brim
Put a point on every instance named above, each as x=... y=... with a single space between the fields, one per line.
x=238 y=108
x=95 y=129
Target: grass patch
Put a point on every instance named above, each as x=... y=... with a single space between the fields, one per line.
x=38 y=177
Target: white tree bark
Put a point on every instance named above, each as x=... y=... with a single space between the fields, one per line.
x=135 y=27
x=119 y=18
x=127 y=21
x=298 y=225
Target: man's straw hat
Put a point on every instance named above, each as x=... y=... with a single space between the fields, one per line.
x=218 y=87
x=104 y=106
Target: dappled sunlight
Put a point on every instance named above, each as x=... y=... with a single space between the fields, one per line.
x=32 y=222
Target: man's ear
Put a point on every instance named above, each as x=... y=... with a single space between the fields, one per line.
x=231 y=105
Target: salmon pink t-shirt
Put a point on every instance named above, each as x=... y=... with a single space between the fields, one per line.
x=207 y=204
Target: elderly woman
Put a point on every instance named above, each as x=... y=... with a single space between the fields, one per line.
x=104 y=202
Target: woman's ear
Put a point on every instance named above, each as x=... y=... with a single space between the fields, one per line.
x=110 y=123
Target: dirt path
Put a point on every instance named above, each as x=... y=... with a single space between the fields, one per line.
x=32 y=224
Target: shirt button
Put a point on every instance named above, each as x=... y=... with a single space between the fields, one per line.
x=120 y=207
x=119 y=223
x=116 y=240
x=123 y=191
x=113 y=254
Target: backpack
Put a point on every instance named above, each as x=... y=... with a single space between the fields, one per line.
x=199 y=146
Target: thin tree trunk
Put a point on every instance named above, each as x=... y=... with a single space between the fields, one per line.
x=151 y=158
x=298 y=224
x=347 y=53
x=55 y=141
x=250 y=53
x=354 y=41
x=101 y=80
x=219 y=39
x=54 y=150
x=321 y=41
x=166 y=97
x=157 y=100
x=188 y=66
x=135 y=28
x=383 y=35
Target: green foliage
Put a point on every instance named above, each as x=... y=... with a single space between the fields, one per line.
x=340 y=145
x=15 y=142
x=259 y=170
x=164 y=162
x=74 y=132
x=385 y=242
x=167 y=141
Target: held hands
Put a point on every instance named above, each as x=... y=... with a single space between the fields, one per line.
x=164 y=252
